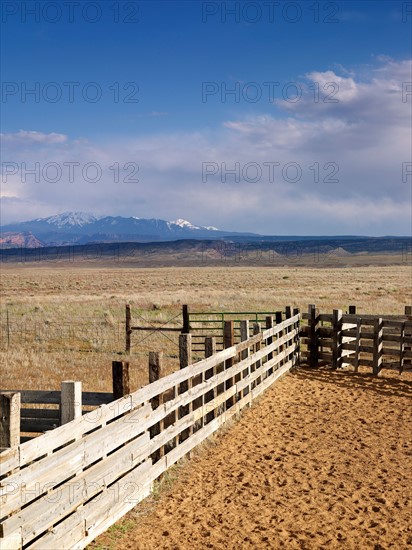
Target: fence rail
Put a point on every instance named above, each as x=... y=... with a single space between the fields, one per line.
x=364 y=340
x=100 y=465
x=42 y=410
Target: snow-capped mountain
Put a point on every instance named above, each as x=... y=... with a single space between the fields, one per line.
x=70 y=219
x=81 y=228
x=184 y=223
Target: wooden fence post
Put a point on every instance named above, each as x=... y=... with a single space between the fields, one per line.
x=269 y=324
x=210 y=349
x=402 y=348
x=155 y=373
x=70 y=401
x=128 y=329
x=279 y=319
x=407 y=333
x=244 y=335
x=186 y=319
x=337 y=339
x=185 y=359
x=313 y=336
x=377 y=345
x=357 y=343
x=10 y=403
x=120 y=379
x=296 y=311
x=257 y=329
x=228 y=342
x=185 y=350
x=288 y=315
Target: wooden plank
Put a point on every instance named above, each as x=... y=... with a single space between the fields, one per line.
x=10 y=404
x=337 y=339
x=348 y=326
x=27 y=484
x=325 y=356
x=245 y=345
x=355 y=346
x=362 y=362
x=13 y=542
x=53 y=414
x=38 y=425
x=325 y=332
x=39 y=396
x=326 y=317
x=377 y=345
x=36 y=518
x=90 y=520
x=396 y=323
x=96 y=398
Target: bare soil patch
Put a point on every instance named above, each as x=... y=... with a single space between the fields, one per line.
x=322 y=461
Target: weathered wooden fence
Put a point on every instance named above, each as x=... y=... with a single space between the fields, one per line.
x=63 y=488
x=38 y=411
x=360 y=340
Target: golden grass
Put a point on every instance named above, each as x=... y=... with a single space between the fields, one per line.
x=68 y=323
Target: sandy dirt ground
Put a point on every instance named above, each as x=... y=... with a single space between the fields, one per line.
x=323 y=460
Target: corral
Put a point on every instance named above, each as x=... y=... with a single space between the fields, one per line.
x=52 y=316
x=91 y=466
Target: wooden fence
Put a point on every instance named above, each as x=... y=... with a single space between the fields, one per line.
x=359 y=340
x=64 y=488
x=33 y=412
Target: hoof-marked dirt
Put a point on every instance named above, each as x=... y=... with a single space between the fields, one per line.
x=323 y=460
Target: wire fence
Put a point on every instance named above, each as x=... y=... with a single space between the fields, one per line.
x=92 y=335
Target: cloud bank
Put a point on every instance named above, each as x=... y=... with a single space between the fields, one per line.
x=334 y=162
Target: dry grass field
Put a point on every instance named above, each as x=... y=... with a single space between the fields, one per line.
x=322 y=460
x=67 y=323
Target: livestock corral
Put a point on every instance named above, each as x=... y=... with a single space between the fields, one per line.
x=271 y=427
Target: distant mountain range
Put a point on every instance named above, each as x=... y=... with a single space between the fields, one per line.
x=79 y=230
x=83 y=228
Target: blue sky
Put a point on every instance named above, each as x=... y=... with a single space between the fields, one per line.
x=176 y=58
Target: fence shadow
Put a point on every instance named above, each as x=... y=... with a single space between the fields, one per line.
x=390 y=387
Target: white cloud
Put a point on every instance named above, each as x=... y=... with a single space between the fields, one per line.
x=24 y=136
x=366 y=134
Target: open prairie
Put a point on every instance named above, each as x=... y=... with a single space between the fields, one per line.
x=322 y=459
x=68 y=323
